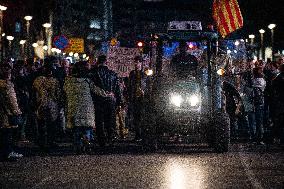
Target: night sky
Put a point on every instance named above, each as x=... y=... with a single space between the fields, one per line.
x=257 y=14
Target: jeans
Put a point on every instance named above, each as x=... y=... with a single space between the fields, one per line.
x=105 y=120
x=259 y=110
x=22 y=126
x=251 y=124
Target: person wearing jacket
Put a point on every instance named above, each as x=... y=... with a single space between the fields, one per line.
x=278 y=106
x=9 y=114
x=47 y=101
x=105 y=106
x=136 y=88
x=258 y=99
x=79 y=106
x=19 y=80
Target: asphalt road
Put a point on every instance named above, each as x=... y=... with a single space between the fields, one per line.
x=176 y=167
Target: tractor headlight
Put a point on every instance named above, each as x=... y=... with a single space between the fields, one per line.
x=193 y=100
x=176 y=100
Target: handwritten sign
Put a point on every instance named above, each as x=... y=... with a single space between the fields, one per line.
x=185 y=25
x=121 y=60
x=76 y=45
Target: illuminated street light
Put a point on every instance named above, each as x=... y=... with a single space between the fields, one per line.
x=271 y=26
x=3 y=34
x=22 y=42
x=10 y=38
x=71 y=54
x=261 y=31
x=251 y=36
x=76 y=55
x=84 y=55
x=28 y=18
x=3 y=8
x=35 y=45
x=46 y=25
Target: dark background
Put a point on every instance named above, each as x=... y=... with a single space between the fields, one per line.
x=257 y=14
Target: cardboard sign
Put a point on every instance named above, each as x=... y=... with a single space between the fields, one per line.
x=185 y=25
x=76 y=45
x=121 y=60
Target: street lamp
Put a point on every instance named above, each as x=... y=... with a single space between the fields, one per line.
x=261 y=31
x=271 y=27
x=10 y=39
x=251 y=38
x=2 y=8
x=35 y=45
x=22 y=43
x=28 y=19
x=48 y=36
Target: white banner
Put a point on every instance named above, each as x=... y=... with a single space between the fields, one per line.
x=185 y=25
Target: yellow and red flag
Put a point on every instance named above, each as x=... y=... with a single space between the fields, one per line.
x=227 y=15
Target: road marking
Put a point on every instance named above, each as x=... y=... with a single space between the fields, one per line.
x=251 y=176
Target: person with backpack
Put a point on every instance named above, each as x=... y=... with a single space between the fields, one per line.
x=258 y=101
x=47 y=102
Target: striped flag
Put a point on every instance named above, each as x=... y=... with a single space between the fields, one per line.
x=227 y=15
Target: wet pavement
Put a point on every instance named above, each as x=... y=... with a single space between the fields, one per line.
x=175 y=167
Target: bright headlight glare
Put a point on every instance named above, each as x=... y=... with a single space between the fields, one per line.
x=176 y=100
x=193 y=100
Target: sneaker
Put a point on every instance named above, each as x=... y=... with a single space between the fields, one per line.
x=15 y=155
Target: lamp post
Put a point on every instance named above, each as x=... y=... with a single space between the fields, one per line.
x=251 y=39
x=271 y=27
x=2 y=8
x=22 y=43
x=10 y=39
x=48 y=36
x=261 y=31
x=28 y=19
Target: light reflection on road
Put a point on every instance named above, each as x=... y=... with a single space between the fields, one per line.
x=184 y=174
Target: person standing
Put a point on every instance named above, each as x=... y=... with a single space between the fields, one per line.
x=278 y=106
x=136 y=96
x=258 y=99
x=47 y=101
x=9 y=114
x=105 y=106
x=80 y=108
x=19 y=80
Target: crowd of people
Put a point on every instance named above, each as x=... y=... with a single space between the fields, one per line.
x=42 y=102
x=257 y=102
